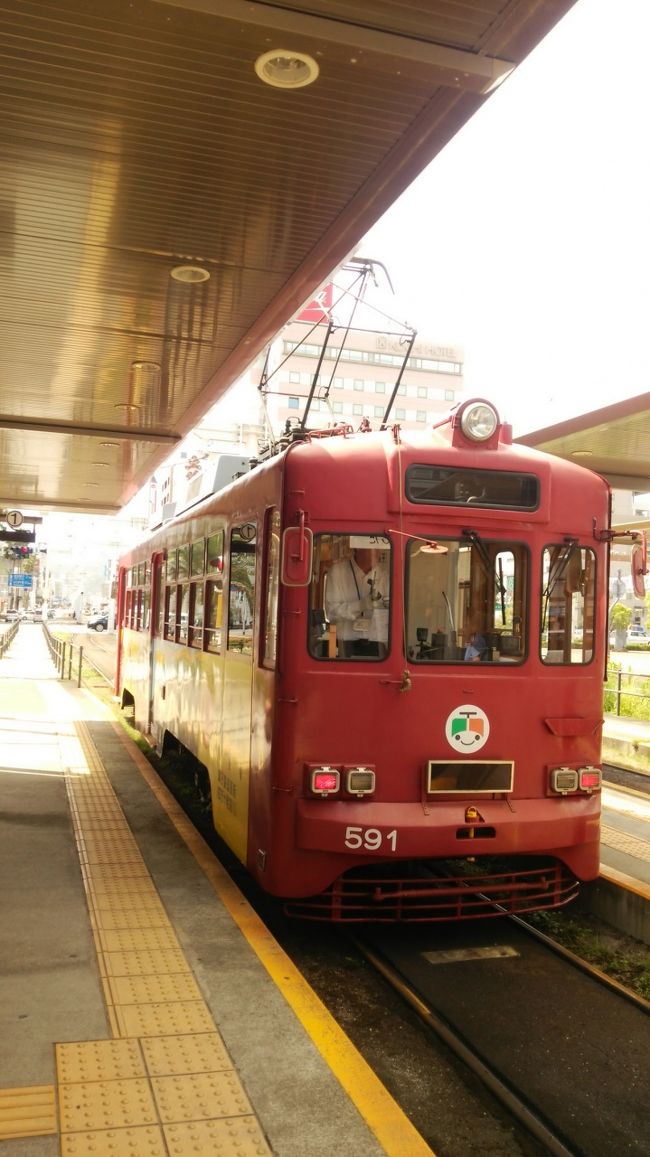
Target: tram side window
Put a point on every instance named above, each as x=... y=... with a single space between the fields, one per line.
x=568 y=604
x=183 y=564
x=136 y=610
x=196 y=615
x=170 y=613
x=272 y=589
x=182 y=625
x=213 y=615
x=214 y=593
x=241 y=589
x=349 y=597
x=466 y=600
x=197 y=556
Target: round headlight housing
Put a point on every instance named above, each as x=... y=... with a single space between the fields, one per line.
x=479 y=420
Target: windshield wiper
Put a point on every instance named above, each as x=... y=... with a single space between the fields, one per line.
x=488 y=566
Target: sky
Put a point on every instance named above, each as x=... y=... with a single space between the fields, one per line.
x=527 y=240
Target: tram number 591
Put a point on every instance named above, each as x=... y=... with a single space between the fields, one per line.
x=370 y=838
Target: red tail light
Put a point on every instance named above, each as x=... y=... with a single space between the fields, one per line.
x=324 y=780
x=590 y=779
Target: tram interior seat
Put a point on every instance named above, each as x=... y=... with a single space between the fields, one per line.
x=509 y=645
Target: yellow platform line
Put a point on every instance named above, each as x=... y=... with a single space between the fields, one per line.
x=389 y=1124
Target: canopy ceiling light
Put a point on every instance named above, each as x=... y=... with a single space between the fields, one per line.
x=282 y=68
x=189 y=274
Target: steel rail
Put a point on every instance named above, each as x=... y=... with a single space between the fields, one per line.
x=582 y=965
x=534 y=1125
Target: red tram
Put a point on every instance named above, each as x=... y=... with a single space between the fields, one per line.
x=386 y=651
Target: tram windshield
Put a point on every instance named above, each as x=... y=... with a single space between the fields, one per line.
x=466 y=600
x=350 y=597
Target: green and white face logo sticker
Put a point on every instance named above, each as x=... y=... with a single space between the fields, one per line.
x=467 y=729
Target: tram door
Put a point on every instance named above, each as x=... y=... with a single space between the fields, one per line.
x=155 y=629
x=232 y=786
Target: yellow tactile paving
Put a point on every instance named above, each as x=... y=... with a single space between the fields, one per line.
x=106 y=848
x=143 y=963
x=161 y=939
x=115 y=870
x=152 y=1001
x=181 y=1016
x=99 y=1060
x=142 y=1141
x=226 y=1138
x=624 y=842
x=123 y=893
x=153 y=989
x=29 y=1112
x=176 y=1055
x=106 y=1105
x=200 y=1096
x=108 y=918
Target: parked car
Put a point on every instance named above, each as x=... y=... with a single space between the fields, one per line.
x=98 y=622
x=637 y=634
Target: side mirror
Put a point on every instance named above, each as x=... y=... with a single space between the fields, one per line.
x=639 y=567
x=297 y=556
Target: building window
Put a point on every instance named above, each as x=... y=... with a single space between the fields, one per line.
x=420 y=415
x=358 y=383
x=337 y=407
x=294 y=376
x=293 y=403
x=380 y=387
x=449 y=395
x=423 y=392
x=379 y=411
x=400 y=414
x=357 y=408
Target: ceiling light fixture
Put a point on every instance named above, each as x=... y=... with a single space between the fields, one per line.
x=189 y=274
x=282 y=68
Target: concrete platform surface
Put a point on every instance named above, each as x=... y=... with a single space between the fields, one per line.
x=143 y=1008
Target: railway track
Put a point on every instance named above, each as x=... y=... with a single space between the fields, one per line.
x=626 y=778
x=561 y=1047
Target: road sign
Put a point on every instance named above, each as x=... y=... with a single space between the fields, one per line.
x=17 y=535
x=20 y=580
x=14 y=518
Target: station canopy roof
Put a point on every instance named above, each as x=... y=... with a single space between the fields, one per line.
x=138 y=139
x=613 y=441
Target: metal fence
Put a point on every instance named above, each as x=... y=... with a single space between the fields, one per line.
x=7 y=637
x=69 y=658
x=624 y=684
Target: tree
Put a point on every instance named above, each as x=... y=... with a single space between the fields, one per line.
x=620 y=617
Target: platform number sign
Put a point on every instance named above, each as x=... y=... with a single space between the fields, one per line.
x=14 y=519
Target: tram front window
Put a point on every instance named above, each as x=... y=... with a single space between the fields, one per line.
x=350 y=597
x=568 y=604
x=466 y=600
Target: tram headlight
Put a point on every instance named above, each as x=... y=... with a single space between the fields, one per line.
x=324 y=780
x=564 y=780
x=359 y=781
x=590 y=778
x=479 y=421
